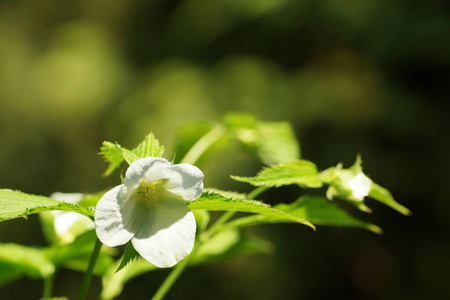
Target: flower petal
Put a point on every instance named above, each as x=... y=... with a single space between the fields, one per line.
x=116 y=218
x=184 y=180
x=139 y=169
x=167 y=235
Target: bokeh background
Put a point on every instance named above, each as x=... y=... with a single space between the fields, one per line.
x=369 y=77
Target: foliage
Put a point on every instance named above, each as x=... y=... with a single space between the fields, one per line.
x=273 y=143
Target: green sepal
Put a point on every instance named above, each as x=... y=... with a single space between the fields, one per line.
x=128 y=256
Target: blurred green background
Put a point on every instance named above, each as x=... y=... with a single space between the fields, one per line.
x=369 y=77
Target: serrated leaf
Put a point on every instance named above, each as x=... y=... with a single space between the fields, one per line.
x=149 y=147
x=216 y=202
x=116 y=154
x=129 y=156
x=29 y=260
x=129 y=255
x=384 y=196
x=318 y=210
x=14 y=204
x=272 y=142
x=301 y=172
x=226 y=194
x=112 y=154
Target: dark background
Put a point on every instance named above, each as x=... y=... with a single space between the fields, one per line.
x=369 y=77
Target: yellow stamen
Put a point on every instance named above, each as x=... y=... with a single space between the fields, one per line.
x=149 y=194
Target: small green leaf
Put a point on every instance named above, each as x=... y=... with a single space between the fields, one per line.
x=29 y=260
x=14 y=204
x=384 y=196
x=112 y=154
x=301 y=172
x=216 y=202
x=116 y=154
x=272 y=142
x=129 y=156
x=149 y=147
x=129 y=255
x=317 y=210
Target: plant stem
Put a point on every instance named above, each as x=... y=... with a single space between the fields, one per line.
x=48 y=286
x=179 y=268
x=88 y=275
x=174 y=274
x=203 y=144
x=256 y=192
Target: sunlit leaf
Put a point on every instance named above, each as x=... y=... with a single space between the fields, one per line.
x=384 y=196
x=318 y=210
x=301 y=172
x=115 y=154
x=149 y=147
x=272 y=142
x=216 y=202
x=14 y=204
x=29 y=260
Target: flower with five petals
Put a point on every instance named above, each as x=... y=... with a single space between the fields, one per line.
x=150 y=210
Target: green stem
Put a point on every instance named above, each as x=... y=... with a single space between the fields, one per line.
x=256 y=192
x=88 y=275
x=48 y=286
x=174 y=274
x=203 y=144
x=179 y=268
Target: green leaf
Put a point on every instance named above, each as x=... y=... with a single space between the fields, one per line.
x=28 y=260
x=215 y=202
x=14 y=204
x=384 y=196
x=229 y=243
x=272 y=142
x=226 y=194
x=8 y=273
x=116 y=154
x=301 y=172
x=149 y=147
x=225 y=244
x=317 y=210
x=111 y=153
x=129 y=255
x=113 y=282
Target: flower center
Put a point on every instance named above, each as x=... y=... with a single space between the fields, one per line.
x=148 y=194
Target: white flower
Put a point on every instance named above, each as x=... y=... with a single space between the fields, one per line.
x=150 y=209
x=360 y=186
x=69 y=225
